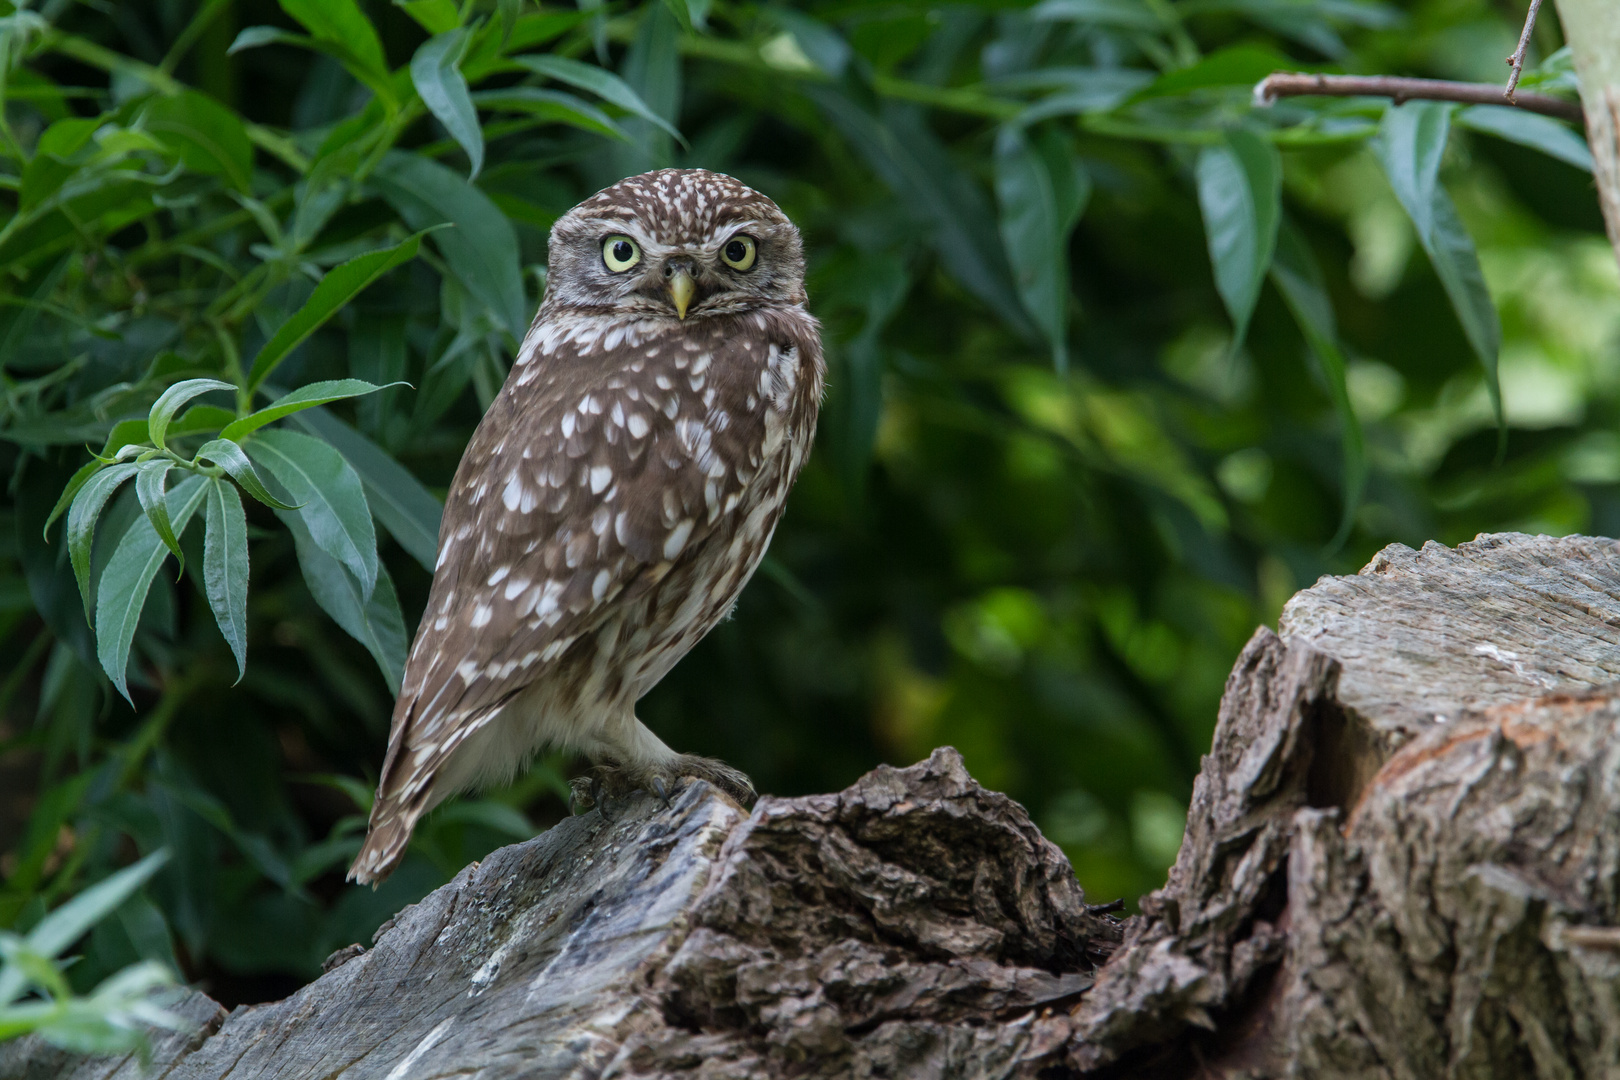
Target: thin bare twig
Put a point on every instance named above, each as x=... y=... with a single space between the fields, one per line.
x=1516 y=61
x=1294 y=84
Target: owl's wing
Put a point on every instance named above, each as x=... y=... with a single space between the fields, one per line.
x=594 y=473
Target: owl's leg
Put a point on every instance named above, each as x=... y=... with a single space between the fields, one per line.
x=633 y=759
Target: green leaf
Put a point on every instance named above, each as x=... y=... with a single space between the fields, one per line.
x=164 y=408
x=78 y=480
x=1234 y=66
x=1529 y=129
x=230 y=457
x=121 y=593
x=342 y=25
x=434 y=16
x=87 y=507
x=197 y=419
x=225 y=567
x=257 y=37
x=1409 y=146
x=73 y=919
x=1240 y=193
x=553 y=105
x=305 y=397
x=1042 y=191
x=408 y=510
x=332 y=503
x=482 y=250
x=821 y=44
x=208 y=137
x=1299 y=280
x=149 y=489
x=375 y=621
x=340 y=285
x=436 y=71
x=1411 y=141
x=1112 y=14
x=599 y=81
x=508 y=11
x=930 y=185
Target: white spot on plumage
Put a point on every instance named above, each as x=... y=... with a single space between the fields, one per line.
x=601 y=477
x=677 y=538
x=498 y=576
x=637 y=425
x=481 y=616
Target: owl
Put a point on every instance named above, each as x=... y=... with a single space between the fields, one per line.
x=614 y=501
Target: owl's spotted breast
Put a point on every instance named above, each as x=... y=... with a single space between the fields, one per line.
x=613 y=502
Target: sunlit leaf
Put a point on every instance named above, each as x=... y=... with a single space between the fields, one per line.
x=225 y=567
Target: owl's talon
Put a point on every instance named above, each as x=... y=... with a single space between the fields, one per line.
x=581 y=796
x=662 y=791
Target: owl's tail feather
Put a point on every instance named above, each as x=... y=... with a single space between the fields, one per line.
x=383 y=849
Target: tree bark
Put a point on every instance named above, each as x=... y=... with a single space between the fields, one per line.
x=1402 y=861
x=1592 y=29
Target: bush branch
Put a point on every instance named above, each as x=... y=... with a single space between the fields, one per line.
x=1516 y=61
x=1398 y=89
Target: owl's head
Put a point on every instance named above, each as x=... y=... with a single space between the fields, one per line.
x=682 y=243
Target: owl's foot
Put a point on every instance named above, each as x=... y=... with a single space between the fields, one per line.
x=614 y=781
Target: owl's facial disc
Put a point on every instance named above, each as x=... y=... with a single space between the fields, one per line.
x=678 y=244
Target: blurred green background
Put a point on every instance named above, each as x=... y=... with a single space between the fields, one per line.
x=1051 y=495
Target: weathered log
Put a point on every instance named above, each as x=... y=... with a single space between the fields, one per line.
x=1402 y=860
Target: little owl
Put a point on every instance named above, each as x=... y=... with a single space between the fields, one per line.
x=614 y=500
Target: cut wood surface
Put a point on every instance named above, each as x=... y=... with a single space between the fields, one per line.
x=1402 y=861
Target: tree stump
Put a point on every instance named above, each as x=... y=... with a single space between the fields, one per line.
x=1401 y=862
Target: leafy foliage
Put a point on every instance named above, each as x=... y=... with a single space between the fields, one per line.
x=1119 y=360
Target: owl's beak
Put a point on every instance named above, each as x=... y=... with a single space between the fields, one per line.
x=681 y=290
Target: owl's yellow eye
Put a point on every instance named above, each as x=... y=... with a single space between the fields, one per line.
x=739 y=252
x=620 y=253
